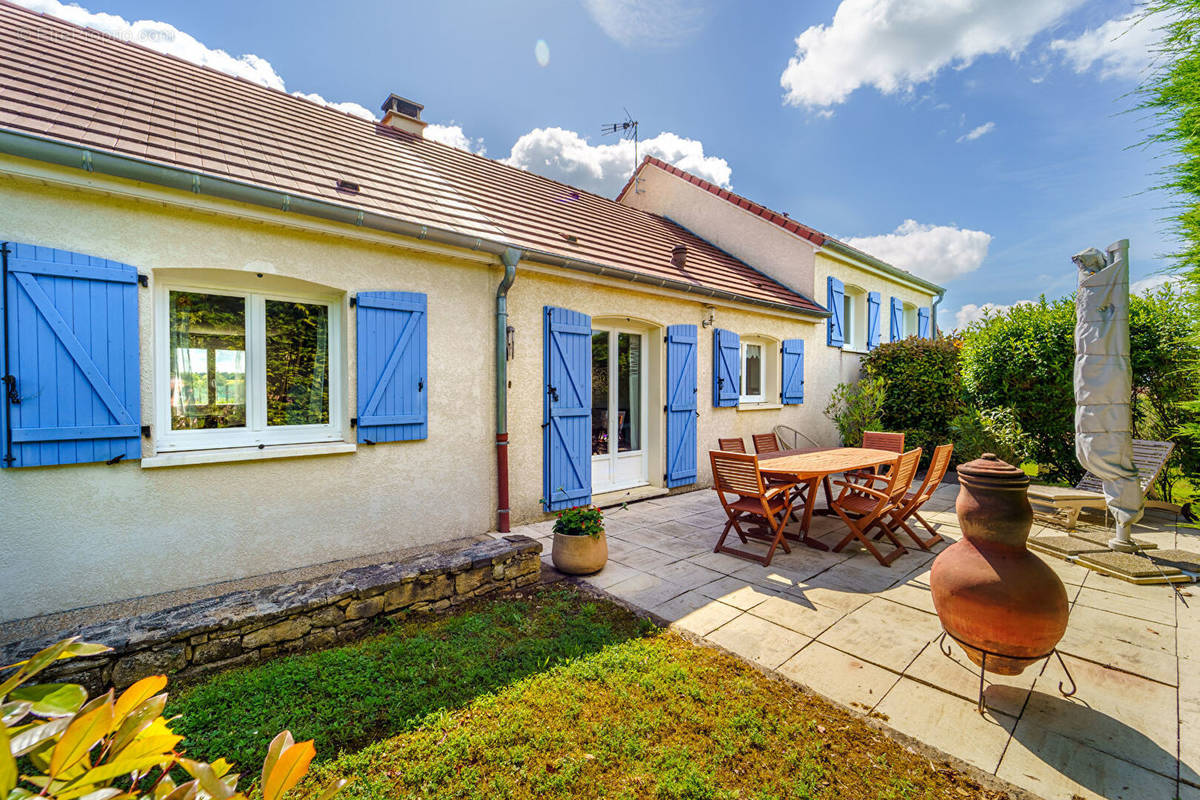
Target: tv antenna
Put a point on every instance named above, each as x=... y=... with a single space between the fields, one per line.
x=627 y=130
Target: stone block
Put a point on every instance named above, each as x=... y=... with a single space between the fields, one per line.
x=365 y=608
x=469 y=581
x=283 y=631
x=139 y=664
x=216 y=650
x=399 y=596
x=433 y=589
x=321 y=639
x=327 y=616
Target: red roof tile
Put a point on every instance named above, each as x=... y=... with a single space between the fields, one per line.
x=774 y=217
x=87 y=89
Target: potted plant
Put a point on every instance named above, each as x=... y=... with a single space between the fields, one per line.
x=579 y=544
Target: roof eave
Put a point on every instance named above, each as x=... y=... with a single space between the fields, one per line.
x=846 y=251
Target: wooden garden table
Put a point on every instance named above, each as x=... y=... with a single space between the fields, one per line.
x=815 y=465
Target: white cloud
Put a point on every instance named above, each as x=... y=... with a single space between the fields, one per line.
x=604 y=168
x=453 y=135
x=1120 y=48
x=1153 y=283
x=975 y=133
x=349 y=108
x=937 y=253
x=895 y=45
x=648 y=23
x=974 y=313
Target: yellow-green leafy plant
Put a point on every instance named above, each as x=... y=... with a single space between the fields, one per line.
x=57 y=743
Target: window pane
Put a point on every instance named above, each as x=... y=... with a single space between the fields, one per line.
x=629 y=392
x=297 y=363
x=208 y=361
x=753 y=370
x=599 y=393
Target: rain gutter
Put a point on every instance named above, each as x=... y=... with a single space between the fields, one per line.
x=933 y=311
x=846 y=251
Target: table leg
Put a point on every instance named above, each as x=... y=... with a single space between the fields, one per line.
x=808 y=513
x=827 y=511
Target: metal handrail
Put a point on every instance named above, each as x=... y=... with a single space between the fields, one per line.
x=795 y=437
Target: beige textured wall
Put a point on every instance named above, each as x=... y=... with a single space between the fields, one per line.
x=82 y=534
x=761 y=244
x=532 y=291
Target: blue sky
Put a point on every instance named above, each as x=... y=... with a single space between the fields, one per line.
x=866 y=136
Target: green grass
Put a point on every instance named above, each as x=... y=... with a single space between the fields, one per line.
x=555 y=695
x=348 y=697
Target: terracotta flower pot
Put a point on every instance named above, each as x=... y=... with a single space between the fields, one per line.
x=990 y=592
x=579 y=555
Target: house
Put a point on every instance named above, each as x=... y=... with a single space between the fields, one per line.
x=871 y=301
x=244 y=332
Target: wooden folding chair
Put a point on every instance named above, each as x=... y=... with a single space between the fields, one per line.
x=864 y=508
x=765 y=443
x=910 y=506
x=736 y=445
x=737 y=474
x=878 y=440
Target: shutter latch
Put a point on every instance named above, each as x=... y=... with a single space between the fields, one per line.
x=553 y=392
x=10 y=388
x=421 y=385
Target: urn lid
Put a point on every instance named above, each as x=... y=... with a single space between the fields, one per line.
x=988 y=470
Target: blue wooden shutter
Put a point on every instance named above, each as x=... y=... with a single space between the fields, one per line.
x=792 y=381
x=923 y=323
x=392 y=383
x=682 y=413
x=874 y=301
x=837 y=307
x=897 y=327
x=72 y=357
x=567 y=419
x=727 y=367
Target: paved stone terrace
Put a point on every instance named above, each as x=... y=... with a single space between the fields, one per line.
x=866 y=636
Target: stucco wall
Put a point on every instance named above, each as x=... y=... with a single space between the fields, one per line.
x=532 y=291
x=82 y=534
x=761 y=244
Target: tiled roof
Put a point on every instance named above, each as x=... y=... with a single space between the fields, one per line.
x=74 y=85
x=774 y=217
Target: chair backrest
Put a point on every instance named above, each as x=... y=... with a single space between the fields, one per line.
x=766 y=443
x=937 y=470
x=883 y=440
x=736 y=445
x=736 y=473
x=1148 y=456
x=902 y=474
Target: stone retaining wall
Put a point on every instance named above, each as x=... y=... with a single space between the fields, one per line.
x=245 y=627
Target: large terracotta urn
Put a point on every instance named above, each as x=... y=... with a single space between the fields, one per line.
x=990 y=592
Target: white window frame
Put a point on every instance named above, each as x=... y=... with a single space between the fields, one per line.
x=854 y=326
x=763 y=349
x=256 y=433
x=910 y=322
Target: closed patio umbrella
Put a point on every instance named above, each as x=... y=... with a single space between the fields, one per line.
x=1104 y=384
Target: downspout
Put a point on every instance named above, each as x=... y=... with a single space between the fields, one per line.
x=933 y=313
x=509 y=257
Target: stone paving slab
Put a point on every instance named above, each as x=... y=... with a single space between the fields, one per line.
x=865 y=636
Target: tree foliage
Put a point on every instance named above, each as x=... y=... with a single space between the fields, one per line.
x=922 y=388
x=56 y=743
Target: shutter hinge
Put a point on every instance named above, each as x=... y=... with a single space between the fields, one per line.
x=115 y=459
x=353 y=300
x=368 y=441
x=145 y=431
x=143 y=280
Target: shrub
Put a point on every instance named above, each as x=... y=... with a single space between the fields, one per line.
x=856 y=407
x=996 y=430
x=580 y=521
x=922 y=386
x=55 y=743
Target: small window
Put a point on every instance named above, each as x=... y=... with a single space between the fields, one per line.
x=753 y=379
x=242 y=369
x=854 y=325
x=910 y=321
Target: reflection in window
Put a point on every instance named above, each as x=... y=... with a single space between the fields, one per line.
x=599 y=393
x=629 y=391
x=297 y=361
x=208 y=361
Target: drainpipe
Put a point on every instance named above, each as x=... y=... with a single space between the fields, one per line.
x=509 y=257
x=933 y=312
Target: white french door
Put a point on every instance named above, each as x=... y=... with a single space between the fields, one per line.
x=619 y=392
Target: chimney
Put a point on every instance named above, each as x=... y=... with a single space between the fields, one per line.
x=679 y=255
x=403 y=115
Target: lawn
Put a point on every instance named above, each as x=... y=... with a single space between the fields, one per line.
x=553 y=694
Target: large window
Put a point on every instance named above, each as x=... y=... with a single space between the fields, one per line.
x=242 y=369
x=753 y=372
